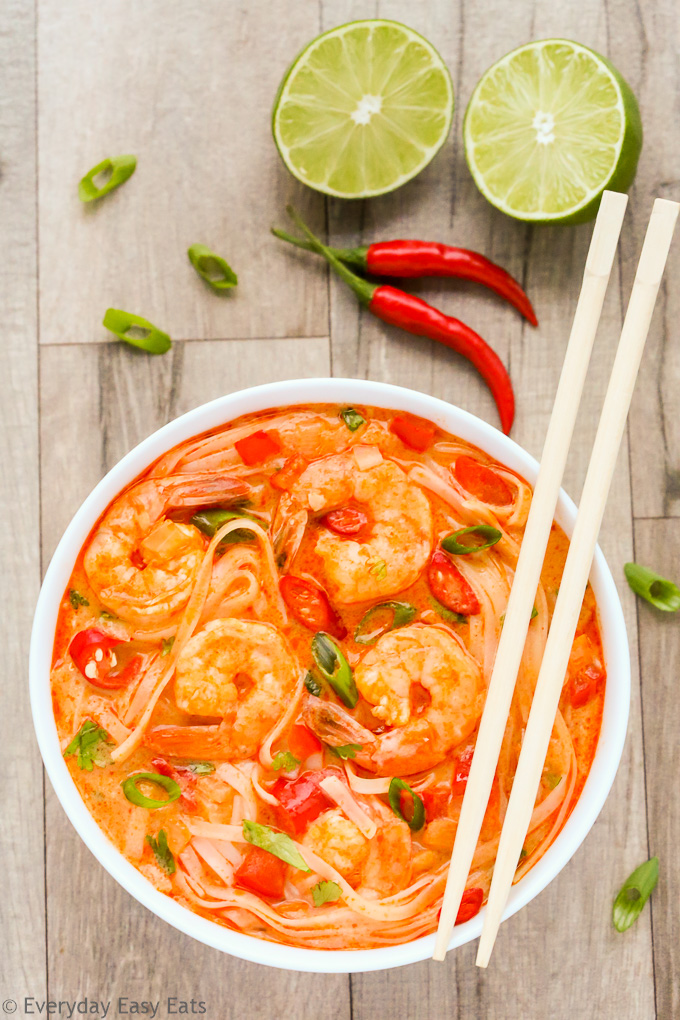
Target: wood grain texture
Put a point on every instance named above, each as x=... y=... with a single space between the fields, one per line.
x=22 y=897
x=188 y=88
x=102 y=939
x=657 y=545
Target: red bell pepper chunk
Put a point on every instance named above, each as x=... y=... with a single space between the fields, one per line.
x=92 y=652
x=346 y=520
x=302 y=743
x=470 y=905
x=461 y=770
x=482 y=482
x=436 y=800
x=289 y=473
x=302 y=800
x=261 y=872
x=416 y=434
x=450 y=587
x=310 y=606
x=257 y=447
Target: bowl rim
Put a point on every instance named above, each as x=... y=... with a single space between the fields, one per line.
x=218 y=412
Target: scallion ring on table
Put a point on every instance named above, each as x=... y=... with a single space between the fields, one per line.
x=651 y=586
x=334 y=668
x=119 y=169
x=402 y=613
x=212 y=268
x=634 y=893
x=134 y=795
x=489 y=536
x=147 y=337
x=397 y=787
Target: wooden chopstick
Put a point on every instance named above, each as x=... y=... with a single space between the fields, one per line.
x=577 y=568
x=527 y=576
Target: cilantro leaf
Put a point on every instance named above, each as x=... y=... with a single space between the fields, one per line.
x=345 y=751
x=284 y=760
x=552 y=779
x=276 y=843
x=76 y=599
x=162 y=852
x=326 y=892
x=90 y=744
x=352 y=419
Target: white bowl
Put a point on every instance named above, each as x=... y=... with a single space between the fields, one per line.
x=219 y=412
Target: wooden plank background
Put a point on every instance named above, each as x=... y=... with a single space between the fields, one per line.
x=188 y=87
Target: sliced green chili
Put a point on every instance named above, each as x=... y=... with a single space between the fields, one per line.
x=488 y=535
x=369 y=630
x=313 y=685
x=334 y=668
x=352 y=419
x=135 y=797
x=212 y=268
x=634 y=893
x=118 y=167
x=150 y=338
x=397 y=787
x=447 y=614
x=656 y=589
x=210 y=521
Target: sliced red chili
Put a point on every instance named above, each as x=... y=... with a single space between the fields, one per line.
x=470 y=905
x=92 y=652
x=346 y=520
x=261 y=872
x=482 y=482
x=257 y=447
x=461 y=770
x=450 y=587
x=310 y=606
x=416 y=434
x=184 y=777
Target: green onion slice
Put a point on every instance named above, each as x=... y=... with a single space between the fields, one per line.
x=352 y=419
x=334 y=668
x=212 y=268
x=277 y=843
x=146 y=336
x=135 y=797
x=634 y=893
x=397 y=787
x=488 y=535
x=656 y=589
x=313 y=685
x=119 y=169
x=374 y=624
x=201 y=768
x=447 y=614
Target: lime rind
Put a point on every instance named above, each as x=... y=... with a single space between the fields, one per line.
x=598 y=120
x=363 y=109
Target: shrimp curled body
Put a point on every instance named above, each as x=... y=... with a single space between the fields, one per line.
x=141 y=565
x=399 y=544
x=423 y=686
x=239 y=671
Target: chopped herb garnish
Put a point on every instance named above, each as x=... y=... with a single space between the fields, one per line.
x=162 y=852
x=76 y=599
x=284 y=760
x=201 y=768
x=326 y=892
x=534 y=614
x=135 y=330
x=212 y=268
x=313 y=685
x=379 y=569
x=90 y=744
x=277 y=843
x=447 y=614
x=352 y=419
x=489 y=536
x=634 y=893
x=345 y=751
x=522 y=854
x=394 y=794
x=552 y=779
x=119 y=168
x=334 y=668
x=104 y=614
x=650 y=586
x=166 y=646
x=382 y=618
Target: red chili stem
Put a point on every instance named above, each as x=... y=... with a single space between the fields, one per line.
x=410 y=313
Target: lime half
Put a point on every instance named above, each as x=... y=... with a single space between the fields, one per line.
x=363 y=109
x=548 y=128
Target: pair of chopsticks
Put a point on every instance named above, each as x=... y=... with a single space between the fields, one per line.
x=577 y=568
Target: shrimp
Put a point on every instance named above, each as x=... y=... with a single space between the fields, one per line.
x=380 y=866
x=423 y=685
x=237 y=670
x=141 y=565
x=399 y=544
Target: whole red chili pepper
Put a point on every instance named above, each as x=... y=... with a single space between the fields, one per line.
x=414 y=315
x=415 y=259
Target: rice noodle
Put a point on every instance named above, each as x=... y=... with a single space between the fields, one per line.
x=207 y=849
x=284 y=722
x=361 y=785
x=338 y=792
